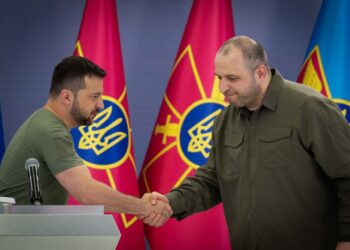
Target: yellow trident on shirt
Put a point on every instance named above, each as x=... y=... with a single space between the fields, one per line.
x=95 y=137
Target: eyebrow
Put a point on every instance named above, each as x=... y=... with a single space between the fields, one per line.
x=96 y=93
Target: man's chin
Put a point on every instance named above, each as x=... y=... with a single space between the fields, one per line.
x=86 y=122
x=89 y=122
x=235 y=103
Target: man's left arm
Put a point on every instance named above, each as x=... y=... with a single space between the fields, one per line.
x=329 y=134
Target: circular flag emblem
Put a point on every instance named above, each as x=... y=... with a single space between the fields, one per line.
x=344 y=107
x=194 y=139
x=104 y=144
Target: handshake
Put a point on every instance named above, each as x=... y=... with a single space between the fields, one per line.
x=156 y=209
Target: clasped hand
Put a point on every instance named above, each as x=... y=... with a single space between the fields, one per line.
x=157 y=209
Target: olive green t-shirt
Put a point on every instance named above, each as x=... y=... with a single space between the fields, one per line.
x=43 y=137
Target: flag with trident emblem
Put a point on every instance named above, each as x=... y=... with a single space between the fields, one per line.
x=181 y=140
x=327 y=57
x=106 y=146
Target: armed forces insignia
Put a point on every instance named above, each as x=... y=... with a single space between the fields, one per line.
x=105 y=144
x=195 y=134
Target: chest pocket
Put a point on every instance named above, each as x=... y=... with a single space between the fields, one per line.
x=275 y=148
x=233 y=154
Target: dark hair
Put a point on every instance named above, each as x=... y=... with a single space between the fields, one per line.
x=70 y=73
x=253 y=52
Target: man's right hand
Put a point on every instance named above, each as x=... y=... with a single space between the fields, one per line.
x=161 y=210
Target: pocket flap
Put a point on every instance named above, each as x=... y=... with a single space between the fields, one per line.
x=275 y=134
x=233 y=140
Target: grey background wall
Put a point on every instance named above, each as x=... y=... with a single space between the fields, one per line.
x=36 y=34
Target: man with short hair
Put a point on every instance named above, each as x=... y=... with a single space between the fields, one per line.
x=279 y=162
x=75 y=99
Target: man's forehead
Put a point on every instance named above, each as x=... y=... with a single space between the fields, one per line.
x=231 y=57
x=93 y=85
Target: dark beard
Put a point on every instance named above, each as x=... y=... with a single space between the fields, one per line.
x=78 y=117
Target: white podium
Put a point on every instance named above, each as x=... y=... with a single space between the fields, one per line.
x=57 y=227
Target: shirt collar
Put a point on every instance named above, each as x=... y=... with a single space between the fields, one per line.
x=273 y=90
x=245 y=112
x=271 y=96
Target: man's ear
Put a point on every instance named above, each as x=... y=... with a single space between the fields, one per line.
x=66 y=96
x=261 y=72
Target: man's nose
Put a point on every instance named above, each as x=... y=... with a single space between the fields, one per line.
x=223 y=85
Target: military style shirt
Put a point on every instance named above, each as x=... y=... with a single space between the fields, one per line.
x=282 y=172
x=43 y=137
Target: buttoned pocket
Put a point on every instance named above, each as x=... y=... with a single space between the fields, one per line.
x=275 y=148
x=233 y=154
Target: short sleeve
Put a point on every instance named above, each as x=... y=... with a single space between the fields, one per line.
x=57 y=149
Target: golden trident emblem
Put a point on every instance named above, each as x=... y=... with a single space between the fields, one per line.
x=94 y=138
x=201 y=135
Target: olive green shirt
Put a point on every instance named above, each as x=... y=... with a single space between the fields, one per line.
x=282 y=172
x=43 y=137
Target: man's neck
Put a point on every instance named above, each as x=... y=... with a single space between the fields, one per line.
x=264 y=86
x=54 y=108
